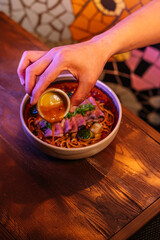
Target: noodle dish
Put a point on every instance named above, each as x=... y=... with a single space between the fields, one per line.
x=91 y=123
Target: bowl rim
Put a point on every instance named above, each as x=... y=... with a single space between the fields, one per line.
x=100 y=85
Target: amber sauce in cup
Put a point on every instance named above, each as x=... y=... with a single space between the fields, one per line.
x=52 y=106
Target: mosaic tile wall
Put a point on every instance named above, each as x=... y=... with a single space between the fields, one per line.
x=135 y=76
x=137 y=83
x=76 y=20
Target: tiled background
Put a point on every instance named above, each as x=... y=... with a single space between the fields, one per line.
x=135 y=76
x=137 y=83
x=75 y=20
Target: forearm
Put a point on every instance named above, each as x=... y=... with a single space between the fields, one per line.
x=140 y=29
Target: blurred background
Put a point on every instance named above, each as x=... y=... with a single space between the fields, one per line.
x=134 y=76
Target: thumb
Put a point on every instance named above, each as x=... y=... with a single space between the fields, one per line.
x=84 y=87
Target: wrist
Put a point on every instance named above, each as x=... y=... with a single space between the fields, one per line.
x=112 y=42
x=107 y=44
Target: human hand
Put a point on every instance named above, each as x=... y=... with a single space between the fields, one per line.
x=84 y=60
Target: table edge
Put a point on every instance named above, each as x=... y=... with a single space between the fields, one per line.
x=138 y=222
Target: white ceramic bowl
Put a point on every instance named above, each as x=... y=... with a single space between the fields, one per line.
x=74 y=153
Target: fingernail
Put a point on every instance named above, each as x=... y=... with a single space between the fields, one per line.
x=73 y=108
x=22 y=81
x=31 y=101
x=29 y=93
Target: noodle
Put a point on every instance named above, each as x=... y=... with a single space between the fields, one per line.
x=71 y=140
x=53 y=129
x=68 y=142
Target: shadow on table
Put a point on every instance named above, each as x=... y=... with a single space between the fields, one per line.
x=34 y=177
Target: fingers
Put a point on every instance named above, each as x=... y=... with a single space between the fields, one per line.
x=28 y=57
x=34 y=70
x=48 y=76
x=82 y=91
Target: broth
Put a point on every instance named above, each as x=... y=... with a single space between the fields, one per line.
x=76 y=135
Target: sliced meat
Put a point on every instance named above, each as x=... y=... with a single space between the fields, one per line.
x=58 y=130
x=80 y=120
x=74 y=125
x=92 y=101
x=67 y=125
x=42 y=123
x=96 y=116
x=48 y=133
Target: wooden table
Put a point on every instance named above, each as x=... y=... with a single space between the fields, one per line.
x=107 y=196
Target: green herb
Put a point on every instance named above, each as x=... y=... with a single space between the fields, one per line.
x=69 y=115
x=84 y=133
x=49 y=125
x=81 y=110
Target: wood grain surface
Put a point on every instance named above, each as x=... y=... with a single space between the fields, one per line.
x=46 y=198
